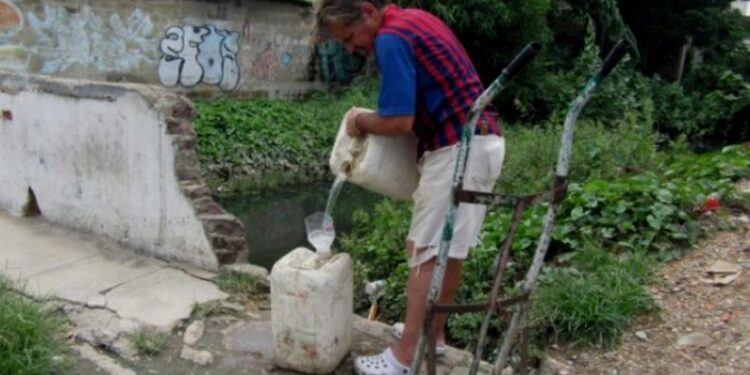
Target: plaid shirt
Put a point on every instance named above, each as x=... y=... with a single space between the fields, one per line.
x=427 y=73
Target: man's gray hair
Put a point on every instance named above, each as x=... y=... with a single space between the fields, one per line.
x=344 y=11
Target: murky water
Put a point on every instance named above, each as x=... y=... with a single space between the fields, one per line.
x=275 y=223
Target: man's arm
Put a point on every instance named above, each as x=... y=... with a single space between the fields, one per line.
x=362 y=123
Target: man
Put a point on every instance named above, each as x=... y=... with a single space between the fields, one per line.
x=428 y=84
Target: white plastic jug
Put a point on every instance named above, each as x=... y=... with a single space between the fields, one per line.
x=383 y=164
x=312 y=305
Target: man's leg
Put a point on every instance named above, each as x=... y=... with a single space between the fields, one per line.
x=417 y=289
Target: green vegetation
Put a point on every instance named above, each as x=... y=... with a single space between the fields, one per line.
x=241 y=283
x=31 y=336
x=650 y=148
x=703 y=94
x=149 y=343
x=247 y=146
x=204 y=310
x=592 y=296
x=642 y=217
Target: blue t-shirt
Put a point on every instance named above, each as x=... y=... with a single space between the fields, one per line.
x=426 y=73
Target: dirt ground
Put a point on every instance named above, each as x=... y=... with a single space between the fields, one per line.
x=701 y=327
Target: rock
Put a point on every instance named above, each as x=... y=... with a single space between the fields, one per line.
x=723 y=267
x=726 y=317
x=223 y=319
x=105 y=337
x=124 y=348
x=100 y=327
x=97 y=301
x=553 y=366
x=200 y=357
x=194 y=332
x=696 y=339
x=201 y=274
x=236 y=307
x=107 y=364
x=507 y=371
x=253 y=339
x=247 y=268
x=641 y=335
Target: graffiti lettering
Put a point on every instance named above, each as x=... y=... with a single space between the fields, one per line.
x=274 y=54
x=266 y=63
x=336 y=65
x=82 y=38
x=199 y=54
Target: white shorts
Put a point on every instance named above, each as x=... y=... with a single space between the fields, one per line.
x=432 y=198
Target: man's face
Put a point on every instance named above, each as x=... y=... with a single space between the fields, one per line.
x=358 y=36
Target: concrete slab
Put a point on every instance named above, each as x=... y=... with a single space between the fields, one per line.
x=105 y=363
x=251 y=339
x=162 y=298
x=31 y=246
x=84 y=281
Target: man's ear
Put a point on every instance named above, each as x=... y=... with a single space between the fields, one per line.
x=368 y=9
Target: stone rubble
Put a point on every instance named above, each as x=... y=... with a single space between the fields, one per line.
x=194 y=332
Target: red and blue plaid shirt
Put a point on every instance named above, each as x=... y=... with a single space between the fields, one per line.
x=426 y=73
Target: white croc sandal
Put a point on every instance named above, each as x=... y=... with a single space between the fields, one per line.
x=384 y=363
x=398 y=328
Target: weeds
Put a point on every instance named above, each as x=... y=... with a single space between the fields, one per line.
x=149 y=343
x=234 y=282
x=204 y=310
x=592 y=297
x=262 y=144
x=30 y=336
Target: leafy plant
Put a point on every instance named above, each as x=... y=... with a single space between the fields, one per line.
x=651 y=212
x=378 y=245
x=263 y=143
x=149 y=343
x=507 y=25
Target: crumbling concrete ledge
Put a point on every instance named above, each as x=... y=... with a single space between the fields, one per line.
x=116 y=160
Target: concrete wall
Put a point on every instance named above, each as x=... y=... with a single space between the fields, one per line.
x=114 y=159
x=743 y=6
x=200 y=48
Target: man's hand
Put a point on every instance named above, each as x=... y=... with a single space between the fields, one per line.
x=362 y=121
x=352 y=129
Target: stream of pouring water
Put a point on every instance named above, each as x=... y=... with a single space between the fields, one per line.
x=334 y=194
x=323 y=234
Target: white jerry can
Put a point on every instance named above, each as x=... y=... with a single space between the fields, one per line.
x=312 y=311
x=383 y=164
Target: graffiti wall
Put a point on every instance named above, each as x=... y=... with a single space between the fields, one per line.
x=336 y=65
x=89 y=40
x=246 y=48
x=195 y=54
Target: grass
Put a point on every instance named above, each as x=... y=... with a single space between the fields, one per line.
x=624 y=147
x=204 y=310
x=149 y=343
x=593 y=297
x=31 y=336
x=234 y=282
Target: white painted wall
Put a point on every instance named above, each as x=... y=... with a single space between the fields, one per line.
x=104 y=166
x=743 y=6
